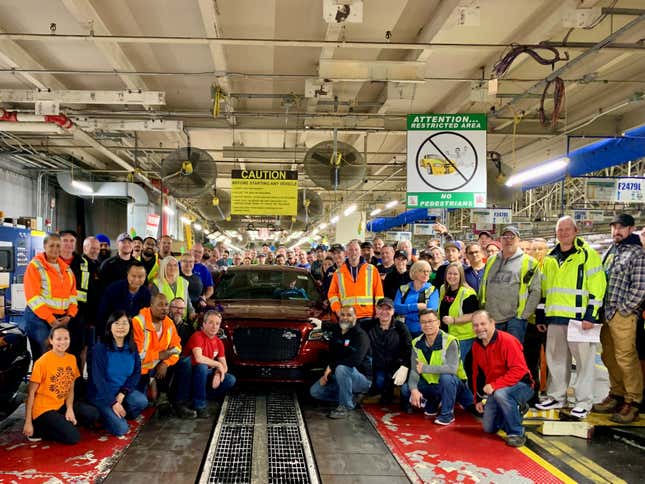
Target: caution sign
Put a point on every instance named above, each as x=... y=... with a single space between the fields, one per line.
x=446 y=161
x=264 y=192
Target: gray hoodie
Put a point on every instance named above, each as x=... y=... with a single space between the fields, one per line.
x=503 y=288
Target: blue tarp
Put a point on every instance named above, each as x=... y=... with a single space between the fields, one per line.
x=596 y=156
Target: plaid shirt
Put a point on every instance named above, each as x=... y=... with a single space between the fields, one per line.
x=624 y=265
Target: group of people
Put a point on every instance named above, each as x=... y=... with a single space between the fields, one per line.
x=461 y=324
x=139 y=322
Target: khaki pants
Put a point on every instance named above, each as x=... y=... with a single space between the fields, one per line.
x=618 y=338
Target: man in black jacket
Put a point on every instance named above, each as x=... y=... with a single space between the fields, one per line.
x=349 y=371
x=400 y=276
x=390 y=341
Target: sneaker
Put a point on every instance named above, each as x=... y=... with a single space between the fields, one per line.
x=524 y=408
x=202 y=413
x=358 y=398
x=579 y=412
x=443 y=420
x=34 y=439
x=627 y=414
x=549 y=404
x=339 y=412
x=609 y=405
x=516 y=440
x=183 y=411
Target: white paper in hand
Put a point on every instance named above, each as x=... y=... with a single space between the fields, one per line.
x=575 y=333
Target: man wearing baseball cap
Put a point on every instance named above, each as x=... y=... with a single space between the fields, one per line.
x=116 y=267
x=400 y=276
x=510 y=289
x=624 y=264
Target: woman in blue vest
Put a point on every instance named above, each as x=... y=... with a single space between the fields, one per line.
x=416 y=295
x=457 y=302
x=170 y=284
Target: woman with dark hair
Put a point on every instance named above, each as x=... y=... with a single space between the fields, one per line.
x=114 y=370
x=51 y=410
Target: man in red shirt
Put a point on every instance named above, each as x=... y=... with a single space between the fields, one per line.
x=501 y=377
x=209 y=374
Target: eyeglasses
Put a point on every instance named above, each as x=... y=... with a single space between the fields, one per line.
x=472 y=252
x=177 y=307
x=429 y=321
x=507 y=237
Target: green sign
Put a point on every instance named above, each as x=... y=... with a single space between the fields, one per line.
x=458 y=122
x=445 y=200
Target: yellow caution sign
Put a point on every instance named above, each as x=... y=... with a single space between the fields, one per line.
x=264 y=192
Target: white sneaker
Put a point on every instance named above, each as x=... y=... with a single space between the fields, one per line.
x=549 y=404
x=579 y=412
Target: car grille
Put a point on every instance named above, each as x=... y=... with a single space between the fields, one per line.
x=266 y=344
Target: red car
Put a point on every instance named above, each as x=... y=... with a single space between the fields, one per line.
x=272 y=325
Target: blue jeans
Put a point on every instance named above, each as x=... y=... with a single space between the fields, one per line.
x=134 y=403
x=447 y=391
x=202 y=376
x=383 y=384
x=465 y=346
x=340 y=386
x=37 y=331
x=502 y=409
x=515 y=326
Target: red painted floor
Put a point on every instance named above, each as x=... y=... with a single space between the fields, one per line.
x=460 y=452
x=89 y=460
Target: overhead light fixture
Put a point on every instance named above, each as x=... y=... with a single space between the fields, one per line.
x=391 y=204
x=334 y=219
x=197 y=226
x=374 y=212
x=184 y=220
x=322 y=226
x=82 y=186
x=350 y=210
x=168 y=211
x=538 y=172
x=314 y=231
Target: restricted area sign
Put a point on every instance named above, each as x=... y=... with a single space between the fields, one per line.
x=264 y=192
x=446 y=160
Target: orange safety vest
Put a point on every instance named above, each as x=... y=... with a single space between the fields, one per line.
x=150 y=345
x=50 y=293
x=362 y=293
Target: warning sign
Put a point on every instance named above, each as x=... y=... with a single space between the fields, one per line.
x=264 y=192
x=446 y=160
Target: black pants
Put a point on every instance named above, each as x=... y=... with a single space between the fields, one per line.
x=52 y=424
x=533 y=343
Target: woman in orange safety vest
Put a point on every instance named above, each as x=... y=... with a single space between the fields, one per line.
x=50 y=291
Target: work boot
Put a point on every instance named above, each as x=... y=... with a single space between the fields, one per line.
x=609 y=405
x=339 y=412
x=183 y=411
x=627 y=414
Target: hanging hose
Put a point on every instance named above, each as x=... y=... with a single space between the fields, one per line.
x=558 y=100
x=502 y=65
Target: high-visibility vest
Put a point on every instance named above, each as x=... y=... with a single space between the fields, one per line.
x=83 y=285
x=438 y=357
x=150 y=345
x=459 y=331
x=362 y=294
x=182 y=291
x=527 y=271
x=426 y=293
x=50 y=293
x=154 y=271
x=570 y=287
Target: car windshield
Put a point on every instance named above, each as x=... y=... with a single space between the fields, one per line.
x=266 y=284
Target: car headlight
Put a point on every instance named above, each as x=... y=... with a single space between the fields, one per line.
x=318 y=335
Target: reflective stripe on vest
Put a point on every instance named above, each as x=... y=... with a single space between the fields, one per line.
x=456 y=309
x=438 y=357
x=528 y=264
x=45 y=298
x=146 y=342
x=81 y=291
x=346 y=300
x=406 y=287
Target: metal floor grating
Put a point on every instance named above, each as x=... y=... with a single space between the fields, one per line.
x=287 y=462
x=233 y=456
x=240 y=410
x=281 y=409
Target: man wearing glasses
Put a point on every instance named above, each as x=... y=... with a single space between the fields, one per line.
x=510 y=288
x=475 y=270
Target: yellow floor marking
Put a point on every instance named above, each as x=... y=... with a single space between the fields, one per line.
x=546 y=465
x=601 y=471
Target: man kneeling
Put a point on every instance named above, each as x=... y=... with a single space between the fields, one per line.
x=436 y=372
x=349 y=371
x=203 y=370
x=499 y=365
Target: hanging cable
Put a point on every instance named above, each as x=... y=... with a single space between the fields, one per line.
x=502 y=65
x=558 y=99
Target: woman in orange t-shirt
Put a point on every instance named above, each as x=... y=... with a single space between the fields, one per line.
x=51 y=411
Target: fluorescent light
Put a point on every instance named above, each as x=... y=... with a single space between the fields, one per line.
x=314 y=231
x=538 y=172
x=376 y=211
x=84 y=187
x=211 y=236
x=184 y=220
x=197 y=227
x=391 y=204
x=334 y=219
x=350 y=210
x=322 y=226
x=168 y=211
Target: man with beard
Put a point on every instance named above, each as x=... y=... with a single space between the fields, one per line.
x=137 y=247
x=116 y=267
x=86 y=273
x=149 y=258
x=104 y=247
x=165 y=246
x=349 y=371
x=624 y=264
x=387 y=261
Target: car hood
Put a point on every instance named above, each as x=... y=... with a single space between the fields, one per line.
x=266 y=309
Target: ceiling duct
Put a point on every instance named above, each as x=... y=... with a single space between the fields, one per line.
x=188 y=172
x=334 y=165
